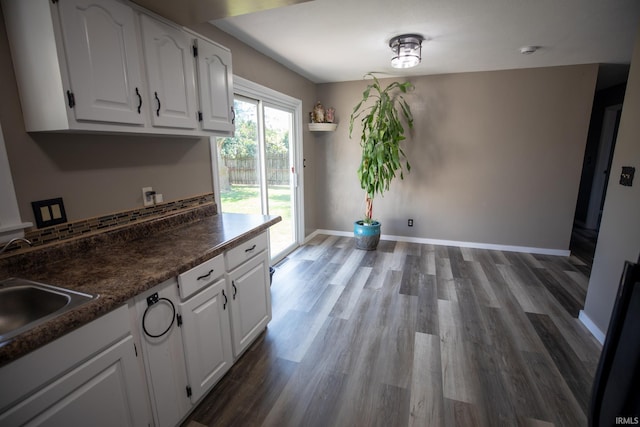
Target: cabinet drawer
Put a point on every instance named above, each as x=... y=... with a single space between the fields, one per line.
x=246 y=251
x=200 y=276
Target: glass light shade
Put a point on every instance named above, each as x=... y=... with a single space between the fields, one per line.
x=407 y=50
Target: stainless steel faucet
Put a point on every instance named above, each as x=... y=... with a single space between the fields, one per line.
x=12 y=241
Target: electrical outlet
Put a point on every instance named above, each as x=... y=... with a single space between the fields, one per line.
x=147 y=196
x=626 y=177
x=410 y=223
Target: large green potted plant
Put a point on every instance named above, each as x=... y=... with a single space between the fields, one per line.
x=381 y=112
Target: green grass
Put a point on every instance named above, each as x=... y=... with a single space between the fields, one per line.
x=241 y=199
x=246 y=199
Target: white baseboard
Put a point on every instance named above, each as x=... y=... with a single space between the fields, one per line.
x=588 y=323
x=491 y=246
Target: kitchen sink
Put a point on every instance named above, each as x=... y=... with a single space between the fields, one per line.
x=25 y=304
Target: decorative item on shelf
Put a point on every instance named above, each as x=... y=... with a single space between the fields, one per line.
x=329 y=115
x=318 y=113
x=321 y=119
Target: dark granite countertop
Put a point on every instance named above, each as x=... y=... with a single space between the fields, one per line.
x=119 y=269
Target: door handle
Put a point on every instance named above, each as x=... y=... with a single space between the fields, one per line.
x=139 y=100
x=158 y=100
x=204 y=276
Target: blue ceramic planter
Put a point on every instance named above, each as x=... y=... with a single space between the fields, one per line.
x=367 y=236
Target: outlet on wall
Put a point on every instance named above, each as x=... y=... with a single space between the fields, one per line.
x=147 y=196
x=410 y=222
x=626 y=177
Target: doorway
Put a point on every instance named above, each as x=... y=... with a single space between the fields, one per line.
x=257 y=168
x=596 y=170
x=610 y=123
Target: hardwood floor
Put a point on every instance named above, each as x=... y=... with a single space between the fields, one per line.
x=417 y=335
x=583 y=244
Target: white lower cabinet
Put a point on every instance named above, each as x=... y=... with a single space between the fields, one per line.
x=192 y=328
x=58 y=387
x=189 y=332
x=95 y=393
x=156 y=321
x=206 y=337
x=250 y=301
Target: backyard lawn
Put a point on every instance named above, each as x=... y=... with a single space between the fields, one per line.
x=246 y=199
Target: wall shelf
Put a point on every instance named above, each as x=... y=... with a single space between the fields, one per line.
x=322 y=127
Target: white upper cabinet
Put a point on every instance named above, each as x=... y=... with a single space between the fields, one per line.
x=216 y=87
x=111 y=66
x=170 y=75
x=103 y=60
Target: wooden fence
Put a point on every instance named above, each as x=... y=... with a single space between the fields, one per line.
x=243 y=170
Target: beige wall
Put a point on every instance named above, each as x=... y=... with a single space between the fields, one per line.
x=619 y=238
x=98 y=174
x=496 y=158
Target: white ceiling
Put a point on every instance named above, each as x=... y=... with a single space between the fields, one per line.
x=186 y=12
x=341 y=40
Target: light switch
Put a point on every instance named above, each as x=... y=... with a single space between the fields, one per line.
x=49 y=212
x=44 y=212
x=55 y=211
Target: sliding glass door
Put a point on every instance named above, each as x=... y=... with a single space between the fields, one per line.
x=279 y=168
x=257 y=168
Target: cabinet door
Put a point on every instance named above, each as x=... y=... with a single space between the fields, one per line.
x=101 y=47
x=169 y=62
x=163 y=353
x=216 y=87
x=207 y=337
x=251 y=301
x=104 y=391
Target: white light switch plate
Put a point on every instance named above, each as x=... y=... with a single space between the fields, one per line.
x=148 y=201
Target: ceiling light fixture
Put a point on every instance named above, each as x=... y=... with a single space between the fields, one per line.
x=407 y=50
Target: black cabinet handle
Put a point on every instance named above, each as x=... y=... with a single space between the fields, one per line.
x=235 y=290
x=205 y=275
x=71 y=98
x=250 y=249
x=233 y=116
x=139 y=100
x=224 y=305
x=157 y=99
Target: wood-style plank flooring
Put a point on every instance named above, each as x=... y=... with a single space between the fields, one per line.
x=414 y=335
x=583 y=244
